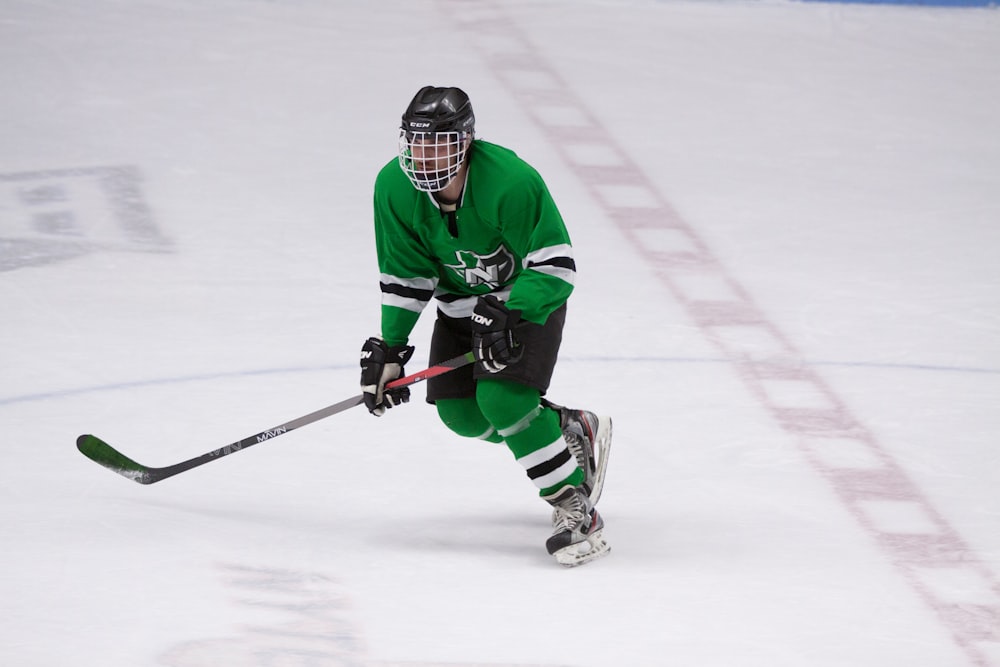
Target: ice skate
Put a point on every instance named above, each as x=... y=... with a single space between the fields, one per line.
x=589 y=439
x=577 y=528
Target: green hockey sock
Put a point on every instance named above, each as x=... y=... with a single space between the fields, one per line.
x=531 y=431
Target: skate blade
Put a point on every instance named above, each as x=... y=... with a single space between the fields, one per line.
x=602 y=447
x=583 y=552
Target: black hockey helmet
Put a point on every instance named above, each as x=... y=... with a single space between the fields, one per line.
x=436 y=109
x=435 y=136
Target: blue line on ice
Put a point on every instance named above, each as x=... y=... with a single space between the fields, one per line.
x=208 y=377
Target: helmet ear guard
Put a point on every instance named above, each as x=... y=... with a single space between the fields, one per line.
x=437 y=129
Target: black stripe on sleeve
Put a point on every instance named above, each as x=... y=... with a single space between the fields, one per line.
x=562 y=262
x=407 y=292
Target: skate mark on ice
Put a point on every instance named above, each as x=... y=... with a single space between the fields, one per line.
x=313 y=624
x=59 y=214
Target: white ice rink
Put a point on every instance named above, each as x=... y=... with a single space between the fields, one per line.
x=787 y=226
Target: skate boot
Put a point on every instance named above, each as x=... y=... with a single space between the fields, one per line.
x=589 y=440
x=577 y=528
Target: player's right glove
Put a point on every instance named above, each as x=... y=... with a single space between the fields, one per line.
x=381 y=364
x=493 y=339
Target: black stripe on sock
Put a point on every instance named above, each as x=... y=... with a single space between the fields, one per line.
x=545 y=467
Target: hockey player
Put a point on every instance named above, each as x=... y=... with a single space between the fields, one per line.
x=471 y=224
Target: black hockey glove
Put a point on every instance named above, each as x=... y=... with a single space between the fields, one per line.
x=381 y=364
x=493 y=339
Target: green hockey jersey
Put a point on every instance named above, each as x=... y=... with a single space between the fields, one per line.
x=506 y=237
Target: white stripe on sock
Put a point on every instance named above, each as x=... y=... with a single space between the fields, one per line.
x=544 y=454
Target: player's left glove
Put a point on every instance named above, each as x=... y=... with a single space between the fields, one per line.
x=381 y=364
x=494 y=341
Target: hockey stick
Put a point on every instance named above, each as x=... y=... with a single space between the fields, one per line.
x=104 y=454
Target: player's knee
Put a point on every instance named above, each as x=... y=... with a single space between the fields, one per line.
x=504 y=402
x=462 y=416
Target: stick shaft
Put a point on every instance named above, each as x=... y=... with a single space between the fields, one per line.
x=104 y=454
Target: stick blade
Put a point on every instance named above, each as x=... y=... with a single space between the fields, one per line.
x=105 y=455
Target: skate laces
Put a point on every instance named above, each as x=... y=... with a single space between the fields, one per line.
x=578 y=442
x=575 y=444
x=570 y=513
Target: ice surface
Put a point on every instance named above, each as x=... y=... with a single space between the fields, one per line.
x=785 y=219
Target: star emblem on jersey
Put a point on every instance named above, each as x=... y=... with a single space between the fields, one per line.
x=493 y=269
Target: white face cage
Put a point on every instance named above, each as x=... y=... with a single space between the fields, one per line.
x=431 y=159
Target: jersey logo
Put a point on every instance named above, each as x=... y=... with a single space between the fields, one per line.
x=493 y=269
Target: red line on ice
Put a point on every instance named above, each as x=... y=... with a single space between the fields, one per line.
x=672 y=248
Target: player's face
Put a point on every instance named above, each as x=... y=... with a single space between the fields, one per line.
x=432 y=159
x=434 y=153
